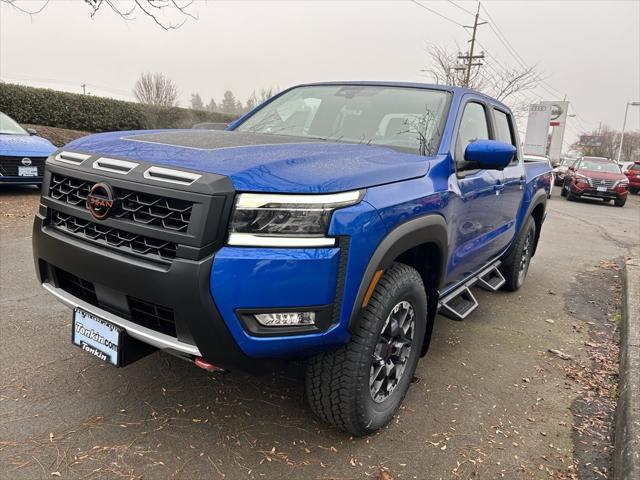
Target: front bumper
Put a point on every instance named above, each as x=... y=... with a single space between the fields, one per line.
x=14 y=180
x=183 y=287
x=592 y=192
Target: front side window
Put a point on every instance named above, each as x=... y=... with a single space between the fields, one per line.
x=473 y=126
x=408 y=119
x=9 y=126
x=504 y=130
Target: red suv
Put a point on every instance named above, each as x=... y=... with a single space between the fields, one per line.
x=633 y=174
x=596 y=177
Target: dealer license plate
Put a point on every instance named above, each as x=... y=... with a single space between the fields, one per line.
x=27 y=171
x=96 y=336
x=602 y=189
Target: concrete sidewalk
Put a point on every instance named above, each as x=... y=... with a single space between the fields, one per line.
x=627 y=436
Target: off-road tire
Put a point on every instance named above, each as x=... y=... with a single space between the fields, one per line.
x=337 y=383
x=621 y=202
x=511 y=265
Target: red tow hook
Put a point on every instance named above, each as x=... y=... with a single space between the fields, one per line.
x=209 y=367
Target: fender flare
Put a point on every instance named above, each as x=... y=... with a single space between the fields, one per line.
x=539 y=198
x=431 y=228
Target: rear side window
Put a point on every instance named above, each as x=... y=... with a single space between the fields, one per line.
x=473 y=126
x=504 y=130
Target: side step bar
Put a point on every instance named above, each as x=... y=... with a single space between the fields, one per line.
x=492 y=280
x=458 y=304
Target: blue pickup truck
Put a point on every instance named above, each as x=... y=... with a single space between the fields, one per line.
x=329 y=225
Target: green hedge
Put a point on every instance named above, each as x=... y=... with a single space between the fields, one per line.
x=89 y=113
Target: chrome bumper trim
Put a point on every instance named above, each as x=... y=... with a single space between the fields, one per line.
x=143 y=334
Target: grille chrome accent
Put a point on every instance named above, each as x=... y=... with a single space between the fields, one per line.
x=71 y=157
x=141 y=208
x=114 y=238
x=601 y=182
x=169 y=175
x=113 y=165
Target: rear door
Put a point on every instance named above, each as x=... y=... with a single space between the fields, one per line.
x=476 y=213
x=514 y=177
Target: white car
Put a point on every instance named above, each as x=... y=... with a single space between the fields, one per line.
x=561 y=169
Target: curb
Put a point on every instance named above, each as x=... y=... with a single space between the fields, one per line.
x=626 y=456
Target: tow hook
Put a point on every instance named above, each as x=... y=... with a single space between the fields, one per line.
x=209 y=367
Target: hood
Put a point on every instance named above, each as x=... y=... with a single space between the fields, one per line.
x=603 y=175
x=25 y=145
x=259 y=162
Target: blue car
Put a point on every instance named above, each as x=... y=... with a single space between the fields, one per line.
x=22 y=153
x=328 y=226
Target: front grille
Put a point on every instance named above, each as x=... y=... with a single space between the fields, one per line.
x=146 y=314
x=601 y=182
x=167 y=213
x=113 y=238
x=9 y=165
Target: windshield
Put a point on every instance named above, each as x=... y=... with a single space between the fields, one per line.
x=566 y=162
x=599 y=166
x=410 y=119
x=8 y=126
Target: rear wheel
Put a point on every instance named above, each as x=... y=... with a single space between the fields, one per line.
x=516 y=266
x=359 y=387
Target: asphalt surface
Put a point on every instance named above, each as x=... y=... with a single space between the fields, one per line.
x=488 y=401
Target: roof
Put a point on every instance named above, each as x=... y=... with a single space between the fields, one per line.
x=384 y=83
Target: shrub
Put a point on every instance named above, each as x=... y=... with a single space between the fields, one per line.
x=93 y=114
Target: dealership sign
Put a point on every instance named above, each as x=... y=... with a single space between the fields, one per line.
x=535 y=142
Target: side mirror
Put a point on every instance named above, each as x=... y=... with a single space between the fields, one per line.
x=31 y=131
x=490 y=154
x=572 y=168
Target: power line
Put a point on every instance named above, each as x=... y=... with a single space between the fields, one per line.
x=436 y=13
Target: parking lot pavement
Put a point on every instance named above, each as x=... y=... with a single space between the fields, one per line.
x=488 y=400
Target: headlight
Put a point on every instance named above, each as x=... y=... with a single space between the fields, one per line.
x=286 y=220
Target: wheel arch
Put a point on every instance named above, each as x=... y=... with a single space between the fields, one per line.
x=421 y=243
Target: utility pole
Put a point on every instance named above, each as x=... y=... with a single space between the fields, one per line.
x=624 y=124
x=84 y=88
x=470 y=59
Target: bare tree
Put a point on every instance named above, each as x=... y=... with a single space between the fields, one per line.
x=444 y=67
x=610 y=142
x=155 y=89
x=157 y=10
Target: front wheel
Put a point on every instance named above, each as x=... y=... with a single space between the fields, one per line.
x=563 y=191
x=619 y=202
x=359 y=387
x=516 y=266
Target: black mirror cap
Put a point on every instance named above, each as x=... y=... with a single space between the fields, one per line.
x=490 y=154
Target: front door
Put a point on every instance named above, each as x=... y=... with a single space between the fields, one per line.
x=475 y=214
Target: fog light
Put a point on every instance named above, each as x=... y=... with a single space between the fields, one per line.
x=285 y=319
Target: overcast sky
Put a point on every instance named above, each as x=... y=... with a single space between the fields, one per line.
x=588 y=50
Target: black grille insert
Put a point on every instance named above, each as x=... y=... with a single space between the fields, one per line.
x=146 y=209
x=9 y=165
x=146 y=314
x=114 y=238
